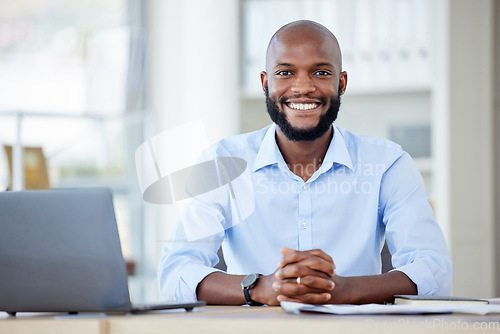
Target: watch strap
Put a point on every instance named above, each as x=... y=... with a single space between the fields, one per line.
x=249 y=300
x=248 y=285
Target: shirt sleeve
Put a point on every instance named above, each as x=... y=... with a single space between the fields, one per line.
x=211 y=207
x=413 y=237
x=185 y=264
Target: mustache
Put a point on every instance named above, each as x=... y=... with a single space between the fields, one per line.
x=321 y=99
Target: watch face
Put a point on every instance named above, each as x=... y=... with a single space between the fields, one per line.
x=249 y=280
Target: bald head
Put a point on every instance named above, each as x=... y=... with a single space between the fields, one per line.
x=301 y=32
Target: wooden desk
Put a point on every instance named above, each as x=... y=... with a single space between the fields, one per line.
x=255 y=320
x=27 y=324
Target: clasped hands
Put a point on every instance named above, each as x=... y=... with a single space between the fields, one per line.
x=302 y=276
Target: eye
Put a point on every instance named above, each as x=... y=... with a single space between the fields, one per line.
x=322 y=73
x=283 y=73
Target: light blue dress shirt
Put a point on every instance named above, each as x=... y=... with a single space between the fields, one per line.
x=367 y=189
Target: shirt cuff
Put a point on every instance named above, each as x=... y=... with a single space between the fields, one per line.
x=192 y=275
x=422 y=276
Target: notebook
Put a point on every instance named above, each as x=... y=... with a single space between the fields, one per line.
x=426 y=300
x=60 y=252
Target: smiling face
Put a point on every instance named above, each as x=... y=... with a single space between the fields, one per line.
x=303 y=78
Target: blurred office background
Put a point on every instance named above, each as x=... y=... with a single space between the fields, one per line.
x=83 y=84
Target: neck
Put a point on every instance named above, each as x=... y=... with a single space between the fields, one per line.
x=304 y=157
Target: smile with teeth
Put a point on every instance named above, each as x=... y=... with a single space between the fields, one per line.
x=302 y=106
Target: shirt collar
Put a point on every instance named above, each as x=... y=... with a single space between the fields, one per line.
x=337 y=151
x=267 y=151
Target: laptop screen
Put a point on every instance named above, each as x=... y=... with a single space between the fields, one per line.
x=60 y=251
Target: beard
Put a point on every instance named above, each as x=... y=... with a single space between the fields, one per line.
x=295 y=134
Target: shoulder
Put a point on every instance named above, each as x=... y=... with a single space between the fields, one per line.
x=372 y=148
x=239 y=144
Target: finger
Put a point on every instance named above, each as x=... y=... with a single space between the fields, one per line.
x=312 y=298
x=292 y=271
x=317 y=282
x=321 y=254
x=317 y=264
x=286 y=250
x=283 y=298
x=292 y=256
x=315 y=285
x=297 y=256
x=310 y=266
x=294 y=289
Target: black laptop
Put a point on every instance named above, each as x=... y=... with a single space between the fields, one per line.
x=60 y=252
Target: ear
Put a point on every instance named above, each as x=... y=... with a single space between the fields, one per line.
x=263 y=80
x=343 y=82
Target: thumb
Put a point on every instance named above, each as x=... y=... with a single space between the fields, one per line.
x=285 y=250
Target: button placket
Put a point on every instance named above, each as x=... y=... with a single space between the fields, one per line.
x=304 y=218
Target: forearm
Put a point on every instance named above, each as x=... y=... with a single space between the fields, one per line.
x=221 y=289
x=371 y=289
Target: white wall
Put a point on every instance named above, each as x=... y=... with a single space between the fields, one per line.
x=497 y=142
x=463 y=141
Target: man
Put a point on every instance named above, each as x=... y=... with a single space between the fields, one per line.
x=324 y=199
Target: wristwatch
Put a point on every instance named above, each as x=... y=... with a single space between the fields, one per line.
x=248 y=283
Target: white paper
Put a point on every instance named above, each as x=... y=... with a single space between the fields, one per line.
x=481 y=309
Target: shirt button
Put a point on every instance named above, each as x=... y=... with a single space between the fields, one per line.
x=305 y=186
x=304 y=225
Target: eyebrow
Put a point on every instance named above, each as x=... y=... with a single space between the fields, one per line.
x=316 y=65
x=283 y=64
x=324 y=64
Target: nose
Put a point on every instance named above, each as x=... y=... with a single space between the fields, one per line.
x=303 y=84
